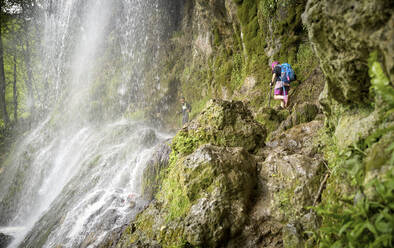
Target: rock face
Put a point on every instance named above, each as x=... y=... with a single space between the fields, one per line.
x=290 y=170
x=5 y=240
x=304 y=112
x=151 y=174
x=203 y=201
x=343 y=35
x=225 y=188
x=225 y=123
x=205 y=195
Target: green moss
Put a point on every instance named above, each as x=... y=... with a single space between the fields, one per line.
x=238 y=71
x=271 y=119
x=173 y=193
x=247 y=11
x=184 y=144
x=380 y=83
x=306 y=62
x=268 y=7
x=198 y=106
x=378 y=155
x=216 y=36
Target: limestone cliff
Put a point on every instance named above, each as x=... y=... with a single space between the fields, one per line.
x=319 y=174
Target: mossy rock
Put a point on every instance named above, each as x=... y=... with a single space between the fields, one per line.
x=151 y=177
x=301 y=113
x=221 y=123
x=203 y=200
x=353 y=127
x=343 y=39
x=380 y=153
x=271 y=118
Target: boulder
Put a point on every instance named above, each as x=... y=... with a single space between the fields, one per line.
x=203 y=201
x=271 y=118
x=353 y=127
x=300 y=113
x=222 y=123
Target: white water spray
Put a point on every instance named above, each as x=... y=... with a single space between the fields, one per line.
x=69 y=181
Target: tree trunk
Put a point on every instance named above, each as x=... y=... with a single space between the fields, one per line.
x=15 y=93
x=3 y=103
x=29 y=81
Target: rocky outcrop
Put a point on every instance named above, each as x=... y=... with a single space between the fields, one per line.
x=207 y=190
x=301 y=113
x=222 y=123
x=343 y=35
x=225 y=188
x=290 y=170
x=203 y=201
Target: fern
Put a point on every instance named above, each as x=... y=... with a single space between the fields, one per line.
x=368 y=222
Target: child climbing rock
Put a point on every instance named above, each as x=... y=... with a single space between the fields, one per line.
x=281 y=77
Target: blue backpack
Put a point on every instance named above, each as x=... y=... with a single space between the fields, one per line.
x=287 y=73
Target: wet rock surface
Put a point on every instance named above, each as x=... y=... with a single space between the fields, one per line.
x=233 y=193
x=218 y=182
x=290 y=171
x=227 y=123
x=148 y=137
x=5 y=240
x=301 y=113
x=343 y=35
x=151 y=174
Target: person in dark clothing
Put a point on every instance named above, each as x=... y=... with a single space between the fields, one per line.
x=281 y=89
x=186 y=109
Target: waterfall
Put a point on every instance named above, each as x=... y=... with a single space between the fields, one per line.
x=76 y=176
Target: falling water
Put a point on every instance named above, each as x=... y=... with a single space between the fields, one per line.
x=70 y=180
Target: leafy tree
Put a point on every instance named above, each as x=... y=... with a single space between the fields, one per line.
x=17 y=41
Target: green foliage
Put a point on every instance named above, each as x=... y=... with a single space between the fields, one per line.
x=379 y=81
x=355 y=213
x=365 y=223
x=216 y=34
x=13 y=35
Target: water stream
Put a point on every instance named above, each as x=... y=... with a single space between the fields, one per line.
x=71 y=180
